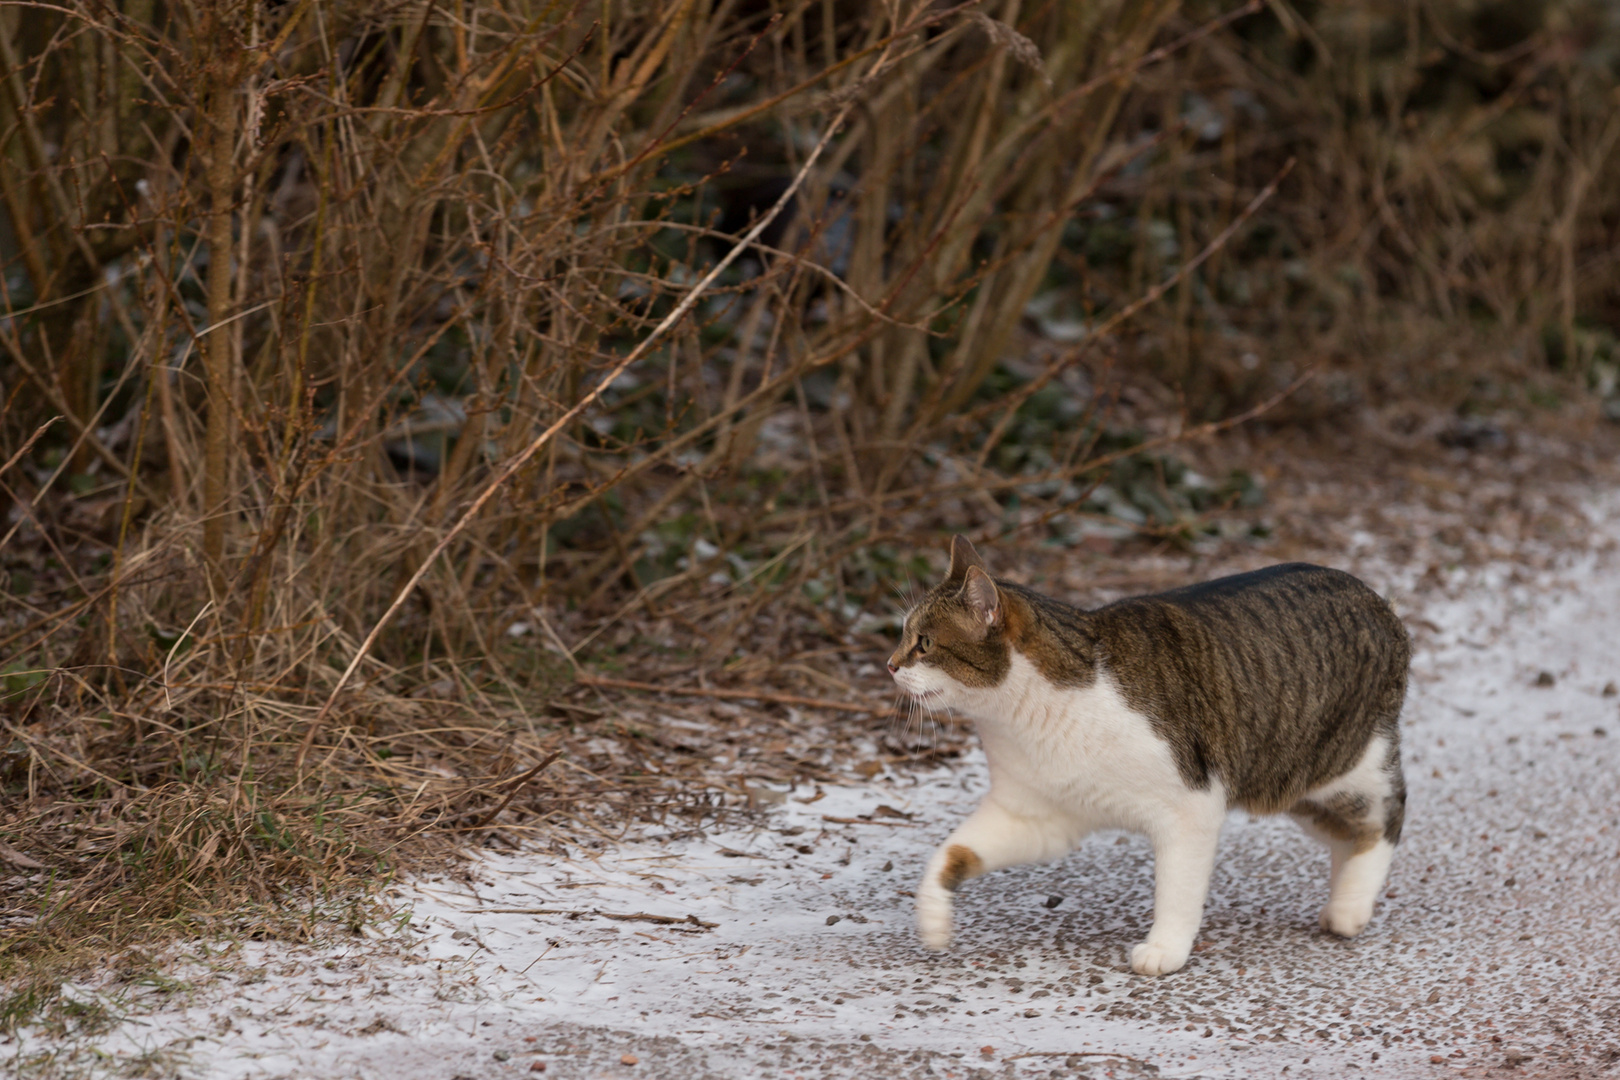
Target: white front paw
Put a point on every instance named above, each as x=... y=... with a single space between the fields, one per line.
x=1151 y=958
x=1346 y=918
x=934 y=918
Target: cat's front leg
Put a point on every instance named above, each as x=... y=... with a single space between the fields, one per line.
x=1183 y=860
x=991 y=838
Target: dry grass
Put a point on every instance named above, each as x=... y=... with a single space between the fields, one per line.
x=370 y=370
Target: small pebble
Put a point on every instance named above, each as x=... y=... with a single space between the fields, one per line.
x=538 y=1066
x=889 y=865
x=1434 y=997
x=503 y=1055
x=1513 y=1055
x=629 y=1059
x=1546 y=678
x=1052 y=901
x=1610 y=689
x=831 y=919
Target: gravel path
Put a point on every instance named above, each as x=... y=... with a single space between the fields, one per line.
x=1494 y=952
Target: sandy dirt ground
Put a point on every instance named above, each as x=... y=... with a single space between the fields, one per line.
x=786 y=949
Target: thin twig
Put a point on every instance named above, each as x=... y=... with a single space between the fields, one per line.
x=866 y=821
x=734 y=695
x=639 y=916
x=29 y=445
x=516 y=787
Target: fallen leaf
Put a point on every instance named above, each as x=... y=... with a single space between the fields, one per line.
x=763 y=796
x=17 y=858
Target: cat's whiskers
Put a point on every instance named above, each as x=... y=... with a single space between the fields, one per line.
x=935 y=725
x=902 y=594
x=897 y=717
x=896 y=712
x=900 y=723
x=928 y=726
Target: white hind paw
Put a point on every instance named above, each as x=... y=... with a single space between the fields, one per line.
x=1151 y=959
x=1346 y=920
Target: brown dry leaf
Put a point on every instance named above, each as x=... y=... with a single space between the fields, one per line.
x=17 y=858
x=760 y=797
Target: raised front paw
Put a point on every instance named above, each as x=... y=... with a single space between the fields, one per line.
x=934 y=918
x=1150 y=958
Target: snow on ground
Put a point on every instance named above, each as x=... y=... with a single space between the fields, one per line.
x=787 y=949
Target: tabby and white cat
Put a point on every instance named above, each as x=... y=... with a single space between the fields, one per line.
x=1277 y=690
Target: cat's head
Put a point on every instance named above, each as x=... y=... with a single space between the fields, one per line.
x=954 y=641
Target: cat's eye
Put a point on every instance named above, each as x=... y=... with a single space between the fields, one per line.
x=924 y=643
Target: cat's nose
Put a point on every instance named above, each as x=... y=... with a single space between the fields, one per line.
x=892 y=668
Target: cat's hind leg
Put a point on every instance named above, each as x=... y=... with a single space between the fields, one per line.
x=1359 y=817
x=1355 y=889
x=991 y=838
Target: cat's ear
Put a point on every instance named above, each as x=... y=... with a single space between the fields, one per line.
x=982 y=597
x=963 y=558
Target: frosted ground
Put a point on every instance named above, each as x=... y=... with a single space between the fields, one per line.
x=786 y=949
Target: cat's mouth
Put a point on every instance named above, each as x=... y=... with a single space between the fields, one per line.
x=925 y=695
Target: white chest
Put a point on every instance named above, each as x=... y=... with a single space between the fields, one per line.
x=1080 y=753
